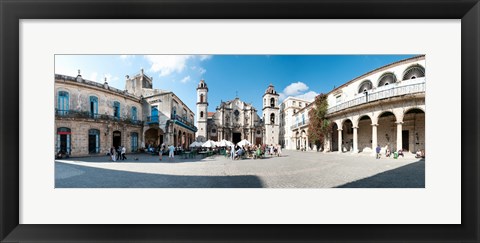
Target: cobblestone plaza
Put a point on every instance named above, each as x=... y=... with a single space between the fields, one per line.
x=294 y=169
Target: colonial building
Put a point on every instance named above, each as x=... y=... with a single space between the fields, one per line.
x=384 y=107
x=91 y=117
x=290 y=121
x=233 y=120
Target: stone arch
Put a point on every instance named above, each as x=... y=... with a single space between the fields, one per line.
x=365 y=86
x=386 y=130
x=414 y=71
x=386 y=78
x=347 y=134
x=413 y=130
x=364 y=133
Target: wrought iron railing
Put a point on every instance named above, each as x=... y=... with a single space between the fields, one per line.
x=299 y=124
x=183 y=120
x=381 y=94
x=89 y=115
x=152 y=119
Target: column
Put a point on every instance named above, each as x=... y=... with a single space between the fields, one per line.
x=355 y=140
x=308 y=146
x=374 y=138
x=399 y=136
x=340 y=147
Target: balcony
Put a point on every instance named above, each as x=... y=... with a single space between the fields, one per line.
x=403 y=88
x=152 y=120
x=184 y=123
x=301 y=124
x=89 y=115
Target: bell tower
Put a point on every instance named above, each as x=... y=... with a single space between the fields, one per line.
x=271 y=116
x=202 y=114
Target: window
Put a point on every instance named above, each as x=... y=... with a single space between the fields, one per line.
x=154 y=114
x=116 y=109
x=272 y=118
x=134 y=113
x=338 y=99
x=134 y=141
x=303 y=118
x=93 y=141
x=63 y=103
x=294 y=103
x=300 y=104
x=201 y=113
x=201 y=98
x=272 y=102
x=93 y=106
x=174 y=112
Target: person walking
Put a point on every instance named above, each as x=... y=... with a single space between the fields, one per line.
x=160 y=151
x=279 y=150
x=171 y=152
x=124 y=150
x=378 y=151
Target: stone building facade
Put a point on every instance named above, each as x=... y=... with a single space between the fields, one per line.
x=233 y=120
x=384 y=107
x=91 y=117
x=293 y=121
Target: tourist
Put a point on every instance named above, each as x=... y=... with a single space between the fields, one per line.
x=418 y=154
x=272 y=152
x=378 y=151
x=160 y=151
x=387 y=152
x=171 y=151
x=400 y=152
x=112 y=153
x=279 y=150
x=124 y=150
x=232 y=151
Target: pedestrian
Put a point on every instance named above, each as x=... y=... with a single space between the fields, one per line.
x=160 y=151
x=279 y=150
x=112 y=153
x=232 y=151
x=378 y=151
x=124 y=150
x=171 y=153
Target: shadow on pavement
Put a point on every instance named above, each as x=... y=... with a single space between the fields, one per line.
x=89 y=177
x=408 y=176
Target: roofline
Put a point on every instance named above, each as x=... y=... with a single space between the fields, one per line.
x=416 y=58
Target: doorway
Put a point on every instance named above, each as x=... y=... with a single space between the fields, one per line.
x=237 y=137
x=405 y=143
x=117 y=139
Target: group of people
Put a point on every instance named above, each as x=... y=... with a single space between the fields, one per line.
x=254 y=151
x=171 y=151
x=117 y=154
x=396 y=154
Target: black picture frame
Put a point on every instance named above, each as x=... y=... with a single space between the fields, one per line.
x=11 y=11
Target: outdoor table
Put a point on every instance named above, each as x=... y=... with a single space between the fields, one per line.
x=204 y=154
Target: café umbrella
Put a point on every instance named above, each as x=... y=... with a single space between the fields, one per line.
x=209 y=144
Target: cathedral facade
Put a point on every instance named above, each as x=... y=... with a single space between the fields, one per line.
x=236 y=120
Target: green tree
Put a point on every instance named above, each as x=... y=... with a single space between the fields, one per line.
x=319 y=126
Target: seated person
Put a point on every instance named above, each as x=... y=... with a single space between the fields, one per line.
x=400 y=152
x=418 y=154
x=387 y=152
x=239 y=153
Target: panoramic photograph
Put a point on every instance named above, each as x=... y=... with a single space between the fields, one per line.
x=239 y=121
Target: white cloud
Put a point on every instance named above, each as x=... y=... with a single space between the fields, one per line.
x=186 y=79
x=205 y=57
x=298 y=90
x=93 y=76
x=295 y=89
x=124 y=57
x=310 y=96
x=168 y=64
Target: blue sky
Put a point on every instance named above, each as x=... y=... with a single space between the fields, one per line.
x=292 y=75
